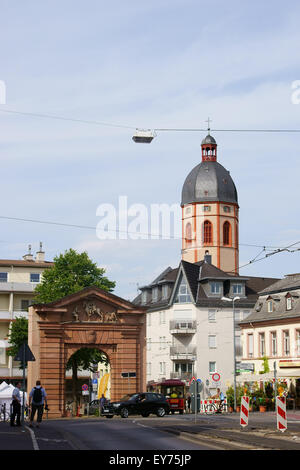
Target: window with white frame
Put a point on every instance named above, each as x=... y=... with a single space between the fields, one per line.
x=183 y=295
x=270 y=306
x=298 y=342
x=162 y=368
x=3 y=277
x=165 y=291
x=237 y=289
x=212 y=367
x=144 y=296
x=215 y=287
x=2 y=355
x=274 y=343
x=162 y=342
x=35 y=277
x=212 y=341
x=289 y=303
x=250 y=345
x=286 y=343
x=162 y=318
x=211 y=316
x=154 y=294
x=262 y=344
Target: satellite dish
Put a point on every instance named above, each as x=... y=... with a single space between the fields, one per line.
x=143 y=136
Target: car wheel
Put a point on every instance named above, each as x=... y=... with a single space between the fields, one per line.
x=161 y=412
x=110 y=416
x=124 y=413
x=145 y=415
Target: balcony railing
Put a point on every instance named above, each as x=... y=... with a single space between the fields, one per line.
x=182 y=352
x=187 y=376
x=183 y=326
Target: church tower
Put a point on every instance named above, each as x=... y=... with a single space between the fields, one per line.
x=210 y=212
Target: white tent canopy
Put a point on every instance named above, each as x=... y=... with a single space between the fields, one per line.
x=6 y=395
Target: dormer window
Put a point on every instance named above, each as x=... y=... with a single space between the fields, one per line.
x=154 y=294
x=289 y=304
x=237 y=289
x=144 y=297
x=270 y=306
x=165 y=291
x=215 y=287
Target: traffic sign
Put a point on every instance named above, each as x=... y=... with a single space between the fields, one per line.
x=24 y=354
x=84 y=387
x=216 y=377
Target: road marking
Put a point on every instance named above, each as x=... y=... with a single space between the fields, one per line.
x=34 y=441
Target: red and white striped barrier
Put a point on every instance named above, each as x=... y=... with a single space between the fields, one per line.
x=244 y=414
x=281 y=414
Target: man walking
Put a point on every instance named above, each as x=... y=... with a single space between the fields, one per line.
x=37 y=398
x=16 y=406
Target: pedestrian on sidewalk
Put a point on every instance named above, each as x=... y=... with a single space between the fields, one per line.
x=189 y=400
x=102 y=403
x=37 y=399
x=16 y=406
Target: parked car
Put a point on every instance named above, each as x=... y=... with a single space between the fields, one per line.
x=138 y=403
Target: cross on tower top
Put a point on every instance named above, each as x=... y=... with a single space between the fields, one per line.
x=208 y=124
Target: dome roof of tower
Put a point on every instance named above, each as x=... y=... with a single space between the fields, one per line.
x=209 y=139
x=209 y=181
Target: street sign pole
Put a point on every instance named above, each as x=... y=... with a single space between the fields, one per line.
x=23 y=398
x=196 y=400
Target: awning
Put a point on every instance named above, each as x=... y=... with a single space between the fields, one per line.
x=4 y=343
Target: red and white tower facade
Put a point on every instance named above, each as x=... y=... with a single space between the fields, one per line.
x=210 y=219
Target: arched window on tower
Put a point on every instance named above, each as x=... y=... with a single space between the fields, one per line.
x=227 y=234
x=188 y=233
x=207 y=233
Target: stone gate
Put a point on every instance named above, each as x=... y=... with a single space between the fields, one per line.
x=90 y=318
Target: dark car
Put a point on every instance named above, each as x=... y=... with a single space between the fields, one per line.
x=138 y=404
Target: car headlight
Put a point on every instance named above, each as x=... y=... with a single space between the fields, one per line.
x=116 y=405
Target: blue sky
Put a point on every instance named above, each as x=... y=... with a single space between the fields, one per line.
x=146 y=64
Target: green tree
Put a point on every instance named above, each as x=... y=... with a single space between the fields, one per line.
x=70 y=273
x=18 y=335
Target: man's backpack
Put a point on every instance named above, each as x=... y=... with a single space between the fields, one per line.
x=37 y=396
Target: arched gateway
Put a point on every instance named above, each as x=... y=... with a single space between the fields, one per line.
x=89 y=318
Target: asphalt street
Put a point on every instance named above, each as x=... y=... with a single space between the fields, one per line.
x=172 y=433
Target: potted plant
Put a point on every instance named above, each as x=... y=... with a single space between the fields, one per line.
x=262 y=404
x=230 y=399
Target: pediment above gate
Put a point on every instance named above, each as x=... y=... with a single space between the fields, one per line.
x=91 y=305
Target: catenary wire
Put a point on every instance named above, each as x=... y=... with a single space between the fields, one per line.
x=89 y=227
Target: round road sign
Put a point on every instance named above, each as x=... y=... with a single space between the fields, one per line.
x=216 y=377
x=85 y=387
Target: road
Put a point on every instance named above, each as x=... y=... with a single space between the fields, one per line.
x=171 y=433
x=115 y=434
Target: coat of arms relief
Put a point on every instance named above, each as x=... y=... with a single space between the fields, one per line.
x=92 y=313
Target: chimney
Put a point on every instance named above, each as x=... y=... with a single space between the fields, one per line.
x=28 y=256
x=207 y=257
x=40 y=255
